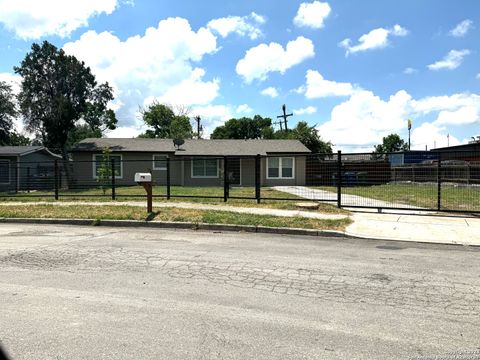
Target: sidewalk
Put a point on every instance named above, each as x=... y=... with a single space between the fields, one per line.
x=399 y=225
x=413 y=227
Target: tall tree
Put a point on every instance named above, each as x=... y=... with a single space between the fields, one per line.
x=58 y=93
x=308 y=136
x=165 y=123
x=245 y=128
x=8 y=112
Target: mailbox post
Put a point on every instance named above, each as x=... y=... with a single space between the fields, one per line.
x=145 y=179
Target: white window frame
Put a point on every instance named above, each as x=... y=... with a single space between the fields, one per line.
x=205 y=176
x=94 y=162
x=280 y=168
x=153 y=162
x=9 y=171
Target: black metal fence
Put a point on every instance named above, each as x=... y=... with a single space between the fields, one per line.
x=430 y=181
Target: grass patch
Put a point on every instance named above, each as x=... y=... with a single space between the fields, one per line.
x=99 y=213
x=186 y=194
x=419 y=195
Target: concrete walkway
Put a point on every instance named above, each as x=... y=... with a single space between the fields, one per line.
x=413 y=227
x=185 y=205
x=347 y=199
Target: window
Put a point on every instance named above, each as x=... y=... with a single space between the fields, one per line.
x=204 y=168
x=4 y=172
x=280 y=168
x=98 y=163
x=160 y=162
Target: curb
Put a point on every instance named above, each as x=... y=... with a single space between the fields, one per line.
x=181 y=225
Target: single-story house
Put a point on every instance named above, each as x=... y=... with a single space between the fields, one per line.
x=195 y=162
x=26 y=167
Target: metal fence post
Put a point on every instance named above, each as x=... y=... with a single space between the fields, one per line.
x=113 y=178
x=168 y=178
x=225 y=179
x=339 y=178
x=55 y=180
x=17 y=170
x=439 y=182
x=257 y=178
x=28 y=179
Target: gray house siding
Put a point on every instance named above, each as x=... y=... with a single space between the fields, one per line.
x=9 y=183
x=83 y=168
x=181 y=170
x=299 y=171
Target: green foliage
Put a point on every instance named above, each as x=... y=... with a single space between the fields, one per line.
x=8 y=112
x=81 y=132
x=308 y=136
x=104 y=171
x=57 y=92
x=245 y=128
x=165 y=124
x=391 y=143
x=17 y=139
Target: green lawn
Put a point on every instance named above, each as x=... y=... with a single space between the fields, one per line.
x=419 y=195
x=186 y=194
x=96 y=213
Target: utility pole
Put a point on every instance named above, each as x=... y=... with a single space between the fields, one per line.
x=284 y=117
x=199 y=127
x=409 y=128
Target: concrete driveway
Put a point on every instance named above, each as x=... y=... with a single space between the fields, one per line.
x=71 y=292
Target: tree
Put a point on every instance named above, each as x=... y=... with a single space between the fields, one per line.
x=8 y=112
x=165 y=124
x=308 y=136
x=104 y=172
x=17 y=139
x=391 y=143
x=58 y=93
x=245 y=128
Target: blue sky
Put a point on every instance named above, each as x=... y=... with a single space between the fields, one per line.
x=355 y=69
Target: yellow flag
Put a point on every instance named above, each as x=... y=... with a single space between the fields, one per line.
x=409 y=124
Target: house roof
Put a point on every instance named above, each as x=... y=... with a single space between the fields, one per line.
x=193 y=147
x=23 y=150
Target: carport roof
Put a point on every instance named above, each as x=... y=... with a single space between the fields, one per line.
x=23 y=150
x=193 y=147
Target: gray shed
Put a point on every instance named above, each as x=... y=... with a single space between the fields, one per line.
x=26 y=168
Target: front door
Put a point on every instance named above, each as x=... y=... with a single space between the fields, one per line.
x=234 y=172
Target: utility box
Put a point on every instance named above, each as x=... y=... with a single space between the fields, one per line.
x=143 y=177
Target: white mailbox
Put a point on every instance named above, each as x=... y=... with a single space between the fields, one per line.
x=143 y=177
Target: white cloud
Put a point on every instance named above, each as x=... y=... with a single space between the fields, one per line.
x=270 y=91
x=15 y=82
x=375 y=39
x=212 y=116
x=363 y=119
x=410 y=71
x=307 y=110
x=125 y=132
x=317 y=87
x=431 y=135
x=32 y=19
x=462 y=28
x=192 y=91
x=242 y=26
x=312 y=14
x=263 y=59
x=139 y=68
x=478 y=76
x=451 y=61
x=244 y=109
x=465 y=115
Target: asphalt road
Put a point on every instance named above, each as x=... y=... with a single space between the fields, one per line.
x=123 y=293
